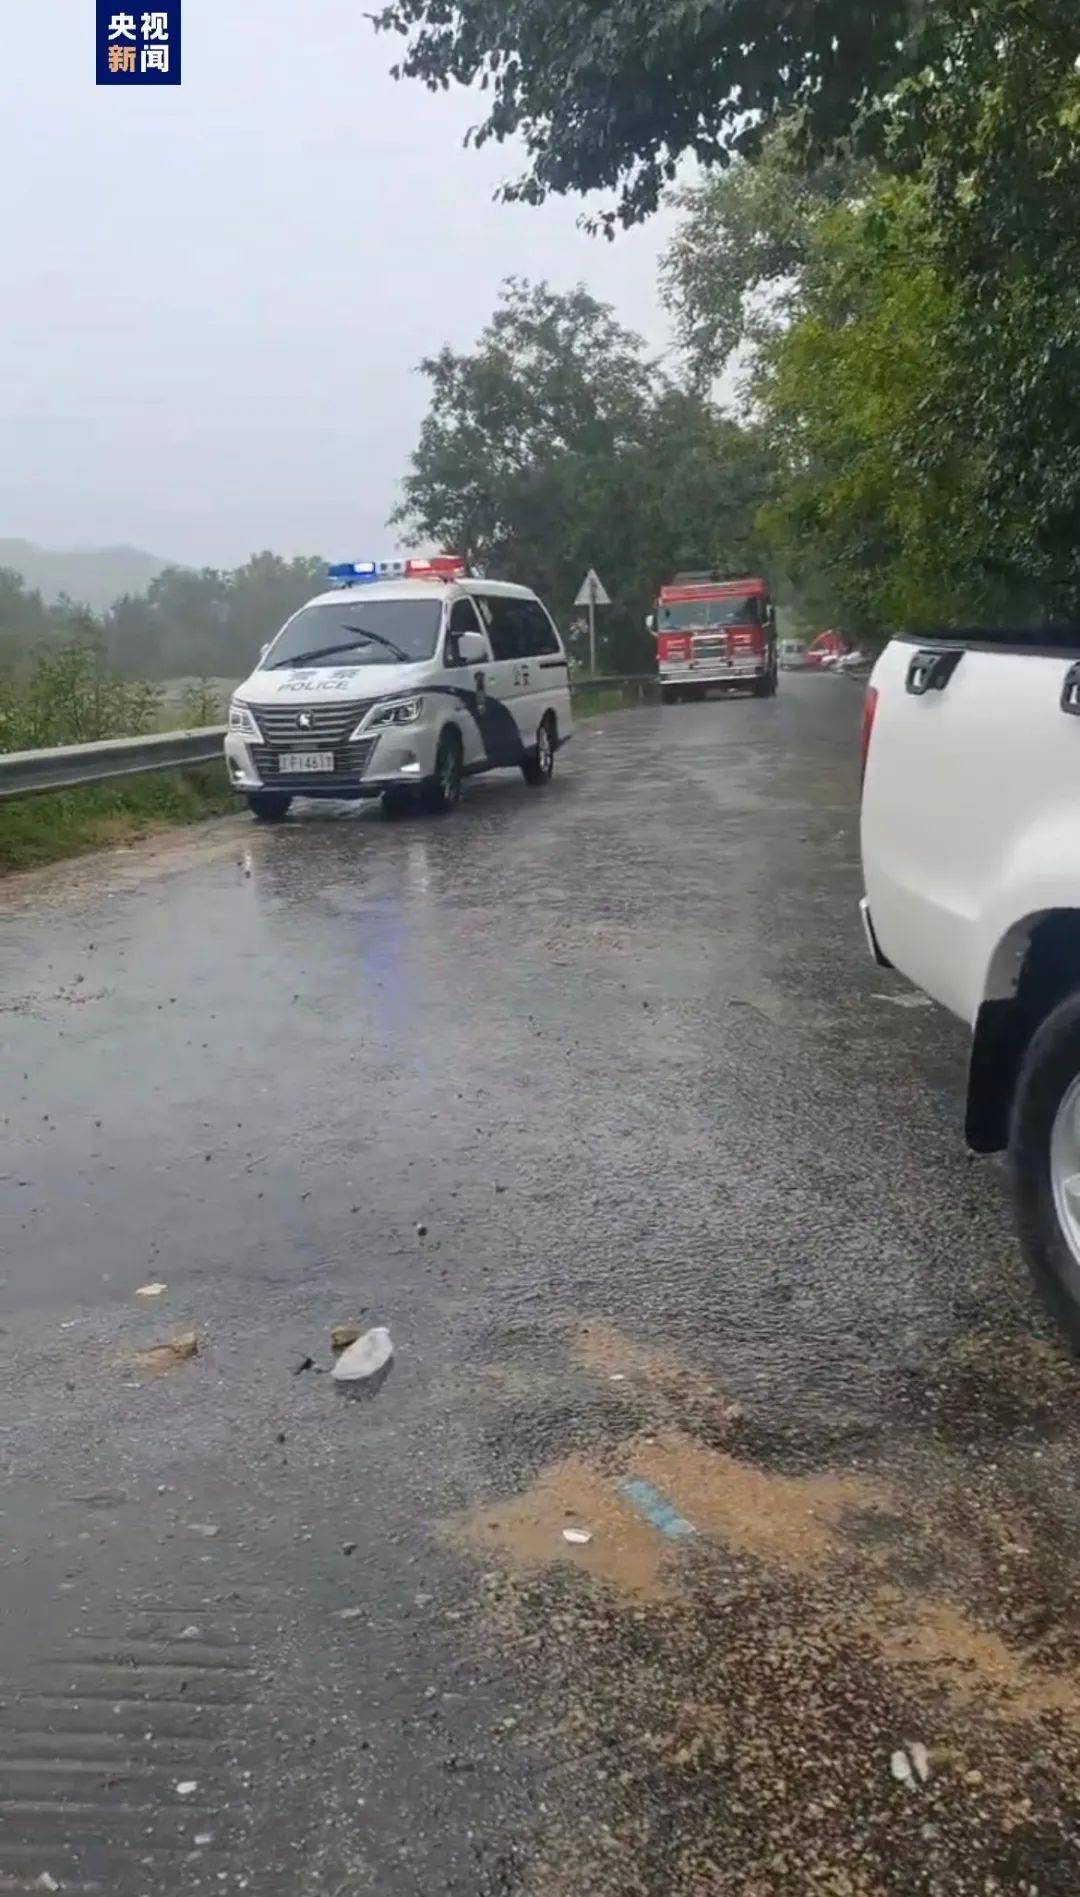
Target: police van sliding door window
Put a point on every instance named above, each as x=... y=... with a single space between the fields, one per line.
x=521 y=629
x=506 y=642
x=538 y=633
x=462 y=619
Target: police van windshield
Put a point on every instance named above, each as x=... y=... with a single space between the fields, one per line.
x=358 y=631
x=694 y=615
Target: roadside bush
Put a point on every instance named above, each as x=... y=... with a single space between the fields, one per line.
x=71 y=697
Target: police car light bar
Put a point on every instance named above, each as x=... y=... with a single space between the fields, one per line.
x=442 y=566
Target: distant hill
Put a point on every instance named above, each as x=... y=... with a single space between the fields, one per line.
x=92 y=576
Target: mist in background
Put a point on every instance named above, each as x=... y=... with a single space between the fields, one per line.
x=215 y=296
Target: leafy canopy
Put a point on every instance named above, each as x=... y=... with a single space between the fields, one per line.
x=611 y=95
x=913 y=329
x=555 y=445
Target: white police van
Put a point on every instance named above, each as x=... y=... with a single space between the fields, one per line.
x=406 y=678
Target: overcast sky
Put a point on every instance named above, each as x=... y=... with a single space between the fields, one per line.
x=213 y=297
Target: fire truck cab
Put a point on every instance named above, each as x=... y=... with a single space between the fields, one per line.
x=712 y=630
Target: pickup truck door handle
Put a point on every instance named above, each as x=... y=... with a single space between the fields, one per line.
x=1070 y=692
x=931 y=671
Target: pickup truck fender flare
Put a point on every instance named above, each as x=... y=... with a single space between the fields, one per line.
x=1033 y=964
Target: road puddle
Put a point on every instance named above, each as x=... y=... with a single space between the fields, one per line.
x=974 y=1665
x=628 y=1500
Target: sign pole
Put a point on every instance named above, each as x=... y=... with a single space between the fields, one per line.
x=593 y=593
x=592 y=632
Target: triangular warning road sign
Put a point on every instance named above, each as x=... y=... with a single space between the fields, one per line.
x=593 y=591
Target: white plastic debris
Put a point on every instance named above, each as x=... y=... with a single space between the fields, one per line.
x=577 y=1537
x=364 y=1359
x=189 y=1633
x=151 y=1290
x=204 y=1837
x=46 y=1882
x=905 y=1001
x=186 y=1786
x=920 y=1759
x=911 y=1764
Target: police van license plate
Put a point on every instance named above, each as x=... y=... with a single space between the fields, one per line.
x=306 y=763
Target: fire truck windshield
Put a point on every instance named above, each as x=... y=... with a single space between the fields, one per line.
x=694 y=615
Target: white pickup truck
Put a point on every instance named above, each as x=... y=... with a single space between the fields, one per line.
x=971 y=862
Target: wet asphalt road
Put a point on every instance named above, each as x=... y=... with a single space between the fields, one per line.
x=706 y=1273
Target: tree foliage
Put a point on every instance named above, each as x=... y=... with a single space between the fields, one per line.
x=555 y=391
x=845 y=390
x=732 y=272
x=70 y=695
x=556 y=446
x=610 y=96
x=913 y=326
x=208 y=624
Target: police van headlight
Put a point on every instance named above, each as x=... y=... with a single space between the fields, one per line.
x=400 y=711
x=240 y=719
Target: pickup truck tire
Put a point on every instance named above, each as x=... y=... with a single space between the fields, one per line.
x=1044 y=1147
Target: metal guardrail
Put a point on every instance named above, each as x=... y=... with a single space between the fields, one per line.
x=24 y=773
x=28 y=773
x=617 y=680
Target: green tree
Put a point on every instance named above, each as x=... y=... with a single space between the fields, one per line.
x=208 y=623
x=732 y=274
x=554 y=389
x=913 y=329
x=555 y=446
x=611 y=96
x=1000 y=151
x=25 y=621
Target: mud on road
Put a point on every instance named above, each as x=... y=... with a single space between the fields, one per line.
x=705 y=1276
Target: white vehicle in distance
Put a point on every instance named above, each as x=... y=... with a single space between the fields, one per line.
x=406 y=678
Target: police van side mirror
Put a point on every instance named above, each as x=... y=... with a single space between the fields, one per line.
x=472 y=648
x=650 y=623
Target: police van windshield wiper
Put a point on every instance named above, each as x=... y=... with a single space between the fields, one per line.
x=328 y=652
x=363 y=633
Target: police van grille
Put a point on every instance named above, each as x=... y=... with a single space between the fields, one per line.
x=326 y=727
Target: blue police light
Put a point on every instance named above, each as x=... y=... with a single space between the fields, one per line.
x=353 y=572
x=441 y=566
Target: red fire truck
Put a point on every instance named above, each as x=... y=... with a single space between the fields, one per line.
x=713 y=630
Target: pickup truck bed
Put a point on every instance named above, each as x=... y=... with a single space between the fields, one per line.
x=971 y=855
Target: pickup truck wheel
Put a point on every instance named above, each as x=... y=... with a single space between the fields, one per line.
x=1044 y=1158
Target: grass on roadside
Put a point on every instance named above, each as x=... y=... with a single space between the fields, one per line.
x=45 y=829
x=63 y=823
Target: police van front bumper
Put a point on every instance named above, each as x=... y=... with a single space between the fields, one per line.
x=363 y=767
